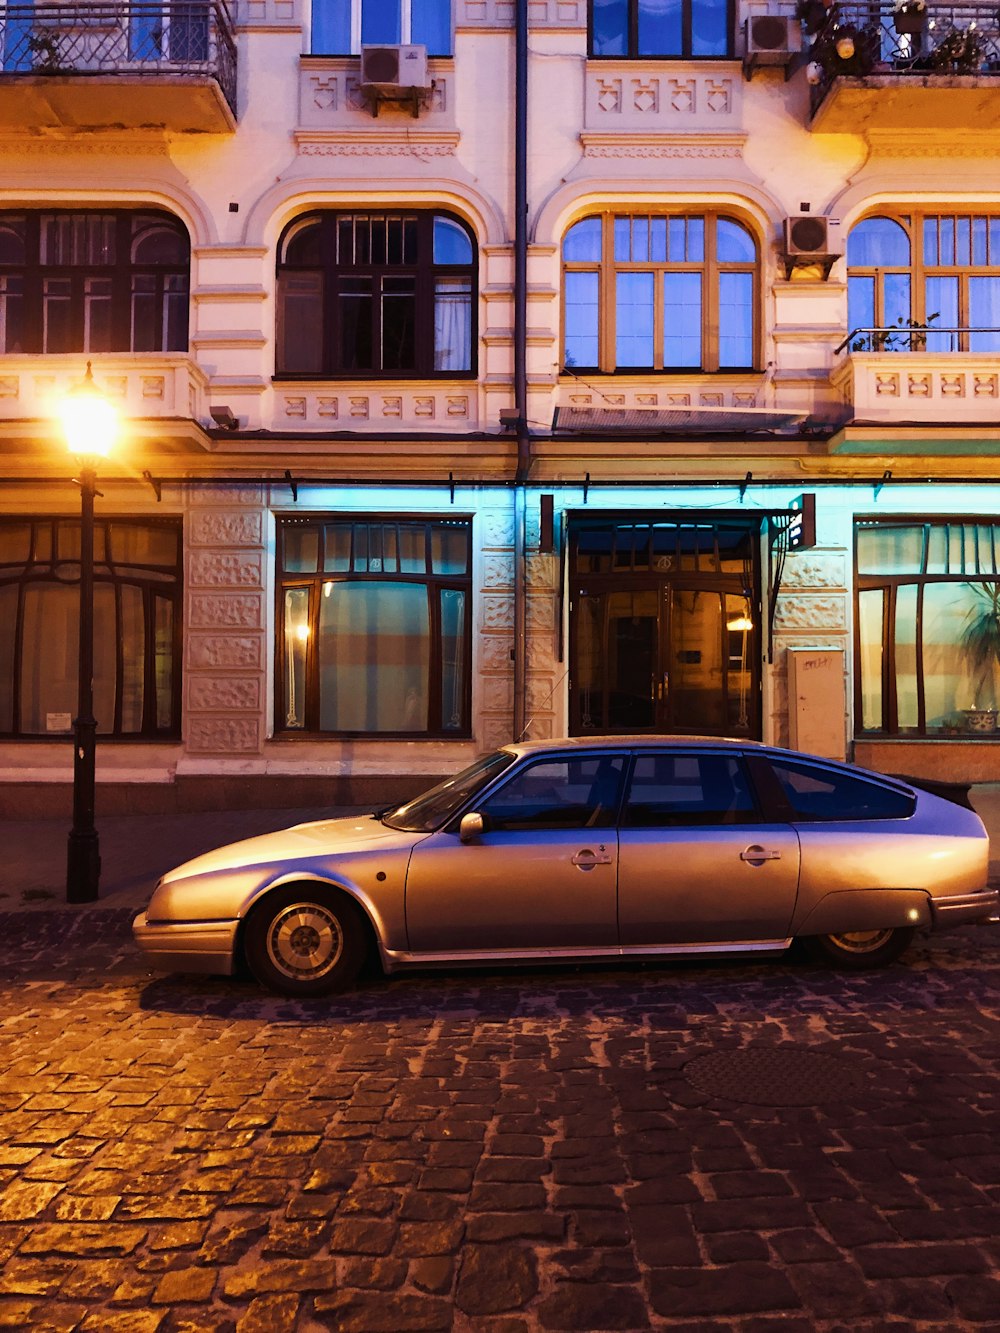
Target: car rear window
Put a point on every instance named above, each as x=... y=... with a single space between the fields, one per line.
x=816 y=793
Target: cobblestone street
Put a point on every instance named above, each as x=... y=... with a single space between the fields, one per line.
x=497 y=1152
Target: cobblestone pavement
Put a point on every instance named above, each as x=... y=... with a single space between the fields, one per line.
x=496 y=1151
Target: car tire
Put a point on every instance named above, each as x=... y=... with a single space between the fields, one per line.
x=859 y=949
x=305 y=939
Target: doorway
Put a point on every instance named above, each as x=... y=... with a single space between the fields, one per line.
x=665 y=628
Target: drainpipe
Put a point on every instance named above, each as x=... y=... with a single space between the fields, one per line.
x=520 y=361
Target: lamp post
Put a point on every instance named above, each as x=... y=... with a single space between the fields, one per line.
x=90 y=426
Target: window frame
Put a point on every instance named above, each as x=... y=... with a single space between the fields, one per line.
x=685 y=53
x=117 y=574
x=889 y=584
x=121 y=272
x=406 y=29
x=330 y=273
x=313 y=582
x=710 y=268
x=912 y=221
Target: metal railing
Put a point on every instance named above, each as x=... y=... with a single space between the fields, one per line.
x=135 y=37
x=933 y=338
x=887 y=37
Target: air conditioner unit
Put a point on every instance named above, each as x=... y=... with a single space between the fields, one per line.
x=772 y=39
x=812 y=236
x=389 y=67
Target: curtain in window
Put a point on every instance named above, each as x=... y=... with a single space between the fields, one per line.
x=452 y=324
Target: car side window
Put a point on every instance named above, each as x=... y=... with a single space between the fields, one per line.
x=824 y=794
x=688 y=790
x=558 y=793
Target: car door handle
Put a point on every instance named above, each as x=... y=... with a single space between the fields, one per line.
x=587 y=859
x=756 y=855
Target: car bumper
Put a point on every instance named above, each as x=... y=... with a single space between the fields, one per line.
x=961 y=908
x=186 y=946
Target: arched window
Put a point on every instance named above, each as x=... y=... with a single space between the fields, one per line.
x=341 y=27
x=662 y=291
x=641 y=28
x=370 y=294
x=93 y=281
x=924 y=281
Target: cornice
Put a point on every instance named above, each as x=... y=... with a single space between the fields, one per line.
x=663 y=145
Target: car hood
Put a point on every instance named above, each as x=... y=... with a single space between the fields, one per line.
x=322 y=838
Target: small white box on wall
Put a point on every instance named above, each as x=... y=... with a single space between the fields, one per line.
x=817 y=701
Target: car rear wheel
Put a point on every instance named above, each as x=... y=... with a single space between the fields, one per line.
x=305 y=940
x=857 y=949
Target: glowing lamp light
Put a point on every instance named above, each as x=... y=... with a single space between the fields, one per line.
x=302 y=632
x=90 y=421
x=845 y=46
x=814 y=72
x=740 y=622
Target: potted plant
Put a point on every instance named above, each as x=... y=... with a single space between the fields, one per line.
x=981 y=644
x=962 y=51
x=909 y=16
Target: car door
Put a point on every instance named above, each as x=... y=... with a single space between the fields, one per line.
x=541 y=877
x=698 y=863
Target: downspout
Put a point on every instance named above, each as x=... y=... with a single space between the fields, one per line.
x=520 y=362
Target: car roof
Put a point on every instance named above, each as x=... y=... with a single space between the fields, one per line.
x=628 y=742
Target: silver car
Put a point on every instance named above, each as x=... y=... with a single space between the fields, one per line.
x=582 y=849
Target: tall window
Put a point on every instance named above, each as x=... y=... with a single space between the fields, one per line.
x=374 y=631
x=928 y=625
x=93 y=282
x=137 y=618
x=660 y=292
x=367 y=294
x=693 y=28
x=340 y=27
x=935 y=277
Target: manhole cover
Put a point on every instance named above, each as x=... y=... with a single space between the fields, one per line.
x=775 y=1076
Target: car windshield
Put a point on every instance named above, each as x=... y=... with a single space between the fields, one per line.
x=435 y=807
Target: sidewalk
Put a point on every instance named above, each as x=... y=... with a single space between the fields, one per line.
x=137 y=849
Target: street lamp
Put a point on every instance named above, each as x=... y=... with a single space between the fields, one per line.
x=90 y=426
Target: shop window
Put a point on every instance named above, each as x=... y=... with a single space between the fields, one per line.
x=698 y=29
x=374 y=628
x=376 y=294
x=113 y=281
x=924 y=282
x=342 y=27
x=928 y=627
x=137 y=619
x=660 y=292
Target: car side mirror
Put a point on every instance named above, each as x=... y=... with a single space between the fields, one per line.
x=472 y=826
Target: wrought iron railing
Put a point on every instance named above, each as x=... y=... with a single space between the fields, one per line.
x=136 y=37
x=933 y=338
x=901 y=37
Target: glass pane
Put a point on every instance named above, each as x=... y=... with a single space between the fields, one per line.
x=734 y=243
x=631 y=661
x=157 y=242
x=589 y=672
x=896 y=298
x=300 y=550
x=558 y=793
x=11 y=313
x=890 y=550
x=696 y=701
x=337 y=550
x=49 y=658
x=582 y=243
x=453 y=324
x=381 y=22
x=302 y=245
x=163 y=662
x=870 y=607
x=356 y=324
x=984 y=313
x=687 y=790
x=682 y=317
x=175 y=312
x=824 y=794
x=860 y=311
x=15 y=543
x=8 y=627
x=623 y=240
x=709 y=28
x=593 y=551
x=374 y=658
x=430 y=25
x=136 y=544
x=12 y=239
x=979 y=246
x=105 y=657
x=878 y=243
x=449 y=550
x=941 y=300
x=413 y=549
x=905 y=644
x=453 y=654
x=145 y=335
x=634 y=319
x=97 y=315
x=57 y=330
x=582 y=313
x=398 y=326
x=610 y=28
x=300 y=322
x=296 y=650
x=735 y=319
x=660 y=28
x=133 y=639
x=451 y=243
x=953 y=678
x=740 y=662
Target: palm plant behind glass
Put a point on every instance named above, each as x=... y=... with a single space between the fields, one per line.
x=981 y=638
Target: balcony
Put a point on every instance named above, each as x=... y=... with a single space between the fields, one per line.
x=942 y=72
x=132 y=66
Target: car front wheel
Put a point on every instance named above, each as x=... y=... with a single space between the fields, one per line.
x=858 y=949
x=305 y=940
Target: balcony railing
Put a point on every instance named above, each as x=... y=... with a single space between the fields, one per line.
x=134 y=38
x=918 y=338
x=882 y=37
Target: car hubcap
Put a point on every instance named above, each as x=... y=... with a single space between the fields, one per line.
x=862 y=941
x=304 y=941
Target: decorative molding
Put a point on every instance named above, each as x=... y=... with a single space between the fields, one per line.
x=223 y=735
x=701 y=146
x=479 y=14
x=229 y=650
x=413 y=148
x=648 y=95
x=355 y=405
x=331 y=98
